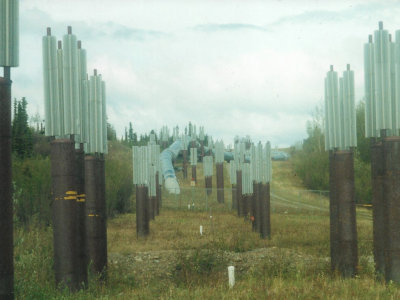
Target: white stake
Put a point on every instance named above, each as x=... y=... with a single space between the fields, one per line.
x=201 y=229
x=231 y=276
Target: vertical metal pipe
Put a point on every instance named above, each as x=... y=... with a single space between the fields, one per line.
x=265 y=223
x=96 y=228
x=391 y=156
x=64 y=213
x=208 y=184
x=333 y=214
x=239 y=192
x=6 y=204
x=377 y=179
x=194 y=174
x=220 y=182
x=347 y=229
x=102 y=259
x=184 y=154
x=234 y=197
x=245 y=200
x=158 y=195
x=147 y=210
x=254 y=208
x=81 y=213
x=259 y=206
x=141 y=228
x=152 y=208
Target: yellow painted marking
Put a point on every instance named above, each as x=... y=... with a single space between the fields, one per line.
x=82 y=195
x=70 y=198
x=92 y=215
x=71 y=193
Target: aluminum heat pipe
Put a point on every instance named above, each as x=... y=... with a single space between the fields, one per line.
x=167 y=169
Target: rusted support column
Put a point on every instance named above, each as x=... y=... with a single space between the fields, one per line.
x=391 y=157
x=81 y=216
x=245 y=200
x=377 y=179
x=234 y=197
x=6 y=204
x=254 y=207
x=239 y=193
x=208 y=184
x=142 y=226
x=96 y=219
x=265 y=222
x=158 y=195
x=333 y=214
x=258 y=206
x=220 y=182
x=194 y=174
x=185 y=163
x=64 y=213
x=152 y=211
x=345 y=195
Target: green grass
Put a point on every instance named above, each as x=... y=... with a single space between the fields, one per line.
x=175 y=262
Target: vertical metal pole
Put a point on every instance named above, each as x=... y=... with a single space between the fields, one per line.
x=64 y=213
x=80 y=199
x=194 y=174
x=6 y=204
x=377 y=179
x=239 y=192
x=234 y=198
x=96 y=228
x=208 y=184
x=333 y=213
x=259 y=206
x=184 y=154
x=158 y=196
x=147 y=210
x=347 y=229
x=391 y=156
x=140 y=211
x=220 y=182
x=254 y=207
x=265 y=223
x=245 y=201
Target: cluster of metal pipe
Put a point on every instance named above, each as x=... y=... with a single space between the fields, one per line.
x=251 y=184
x=9 y=57
x=148 y=181
x=382 y=113
x=75 y=117
x=340 y=139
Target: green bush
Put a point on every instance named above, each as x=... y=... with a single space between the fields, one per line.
x=32 y=189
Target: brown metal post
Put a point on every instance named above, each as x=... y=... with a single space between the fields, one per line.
x=333 y=214
x=220 y=182
x=347 y=229
x=157 y=200
x=81 y=213
x=152 y=212
x=194 y=174
x=254 y=207
x=184 y=166
x=6 y=204
x=265 y=222
x=208 y=184
x=141 y=211
x=259 y=206
x=234 y=197
x=64 y=213
x=391 y=156
x=239 y=193
x=377 y=180
x=96 y=228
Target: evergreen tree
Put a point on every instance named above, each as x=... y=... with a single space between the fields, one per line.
x=22 y=141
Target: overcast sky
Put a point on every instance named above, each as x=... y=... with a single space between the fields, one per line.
x=235 y=67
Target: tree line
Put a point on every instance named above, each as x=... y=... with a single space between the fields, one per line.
x=312 y=162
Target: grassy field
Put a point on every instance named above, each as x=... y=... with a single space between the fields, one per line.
x=176 y=262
